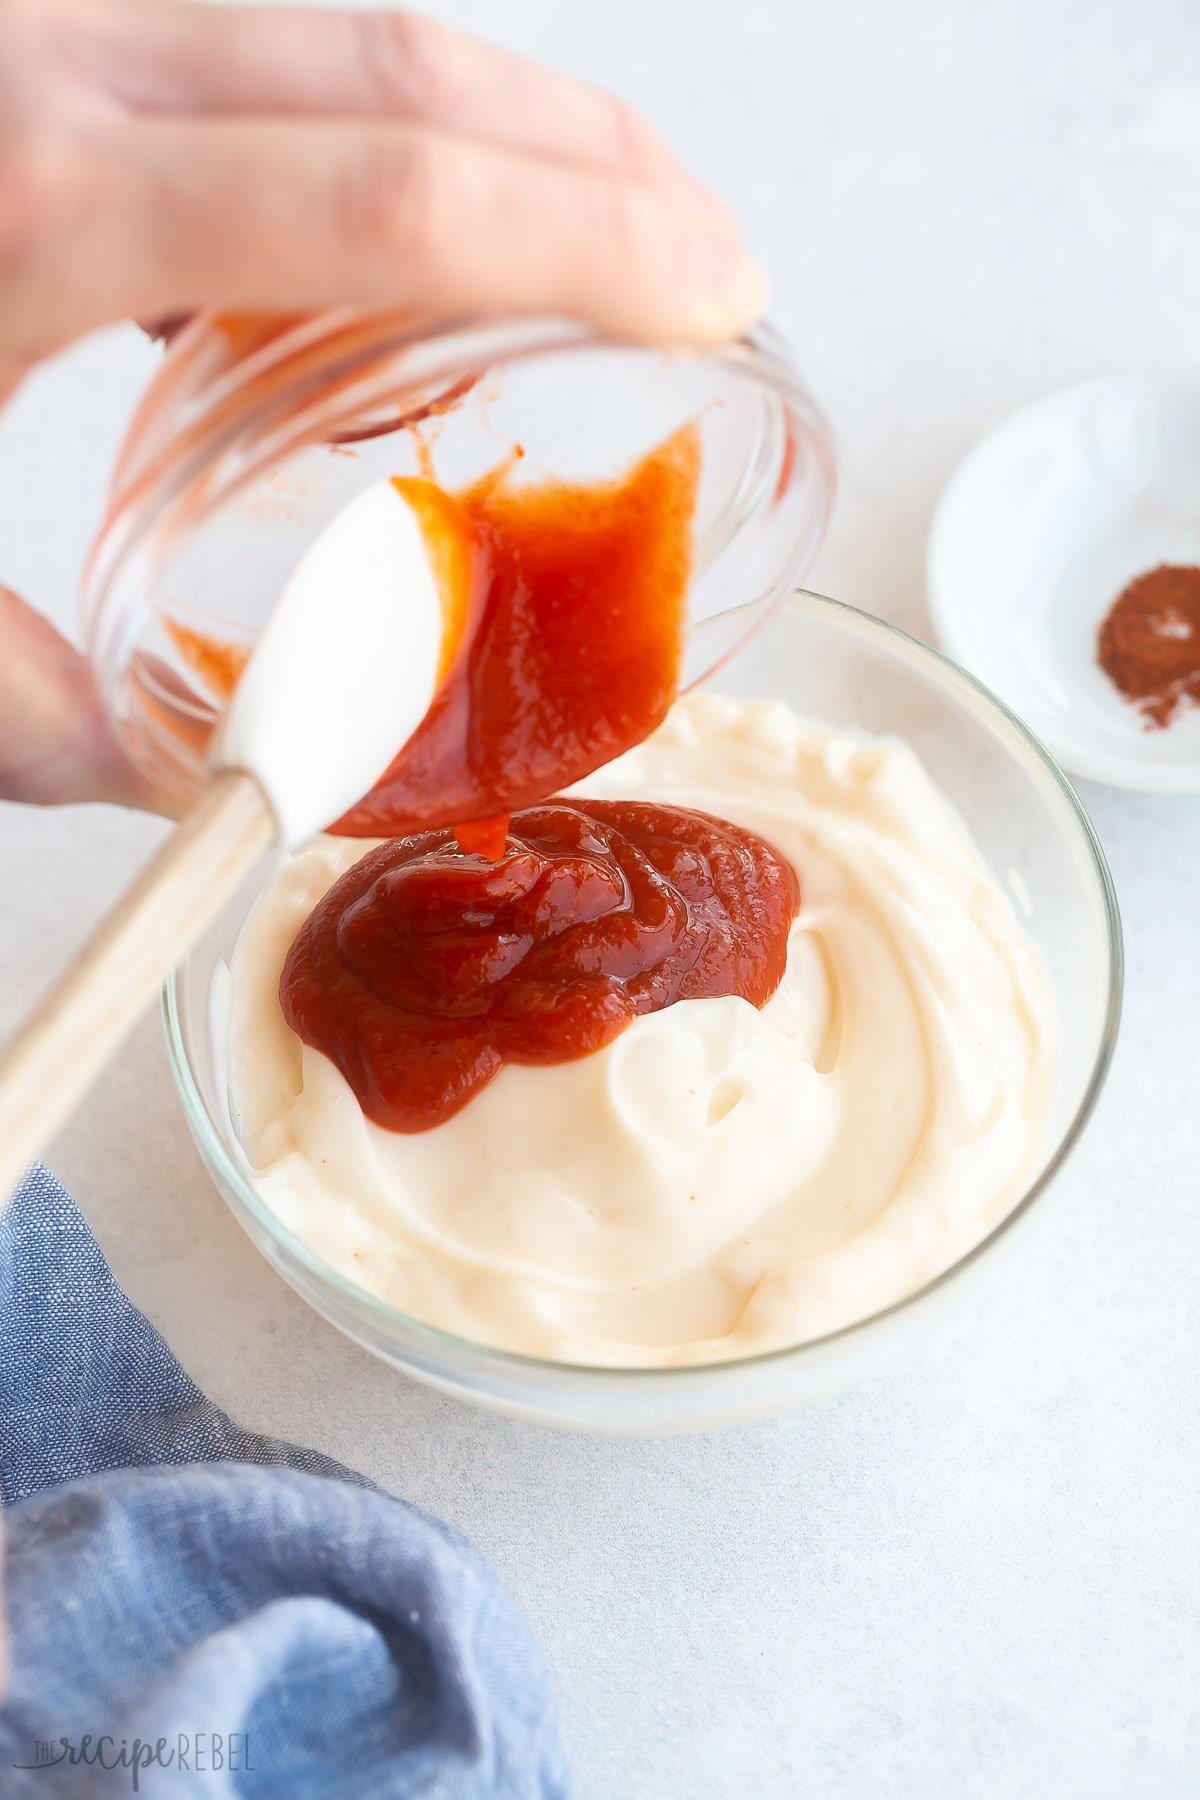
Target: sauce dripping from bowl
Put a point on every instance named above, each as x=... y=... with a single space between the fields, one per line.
x=565 y=607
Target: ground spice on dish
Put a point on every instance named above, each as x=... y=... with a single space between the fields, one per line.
x=1149 y=643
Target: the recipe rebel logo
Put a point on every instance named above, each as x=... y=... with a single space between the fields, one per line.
x=196 y=1753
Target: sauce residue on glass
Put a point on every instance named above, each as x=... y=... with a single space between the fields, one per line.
x=219 y=665
x=425 y=968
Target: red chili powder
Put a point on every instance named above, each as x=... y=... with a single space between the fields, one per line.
x=1149 y=644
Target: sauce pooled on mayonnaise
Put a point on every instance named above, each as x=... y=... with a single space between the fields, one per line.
x=426 y=968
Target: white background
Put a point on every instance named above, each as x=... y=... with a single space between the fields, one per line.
x=979 y=1580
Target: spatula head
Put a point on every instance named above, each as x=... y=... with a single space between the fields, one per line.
x=345 y=669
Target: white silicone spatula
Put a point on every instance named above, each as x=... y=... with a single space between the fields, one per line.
x=341 y=677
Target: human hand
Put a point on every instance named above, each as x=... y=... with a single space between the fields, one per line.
x=157 y=156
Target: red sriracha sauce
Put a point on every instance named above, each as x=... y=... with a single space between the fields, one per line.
x=426 y=968
x=565 y=609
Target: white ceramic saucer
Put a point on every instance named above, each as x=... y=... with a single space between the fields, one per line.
x=1039 y=529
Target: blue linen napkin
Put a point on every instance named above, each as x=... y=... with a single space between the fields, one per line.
x=194 y=1609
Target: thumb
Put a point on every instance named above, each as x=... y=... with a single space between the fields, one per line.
x=56 y=742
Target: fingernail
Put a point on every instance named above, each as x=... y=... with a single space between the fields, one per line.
x=732 y=290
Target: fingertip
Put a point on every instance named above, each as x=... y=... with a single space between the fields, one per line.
x=730 y=291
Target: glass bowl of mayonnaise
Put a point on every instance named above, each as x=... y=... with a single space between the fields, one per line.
x=728 y=1212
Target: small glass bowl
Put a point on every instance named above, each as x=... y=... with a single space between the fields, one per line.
x=854 y=673
x=255 y=433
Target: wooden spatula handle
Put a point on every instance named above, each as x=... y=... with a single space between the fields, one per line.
x=52 y=1060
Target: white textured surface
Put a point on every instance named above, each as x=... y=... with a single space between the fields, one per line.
x=980 y=1580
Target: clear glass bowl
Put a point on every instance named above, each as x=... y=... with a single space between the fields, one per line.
x=852 y=672
x=256 y=432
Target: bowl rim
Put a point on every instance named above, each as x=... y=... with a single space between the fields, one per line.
x=406 y=1330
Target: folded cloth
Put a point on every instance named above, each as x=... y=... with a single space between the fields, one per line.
x=197 y=1610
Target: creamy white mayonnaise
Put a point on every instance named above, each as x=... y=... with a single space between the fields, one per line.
x=718 y=1180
